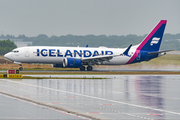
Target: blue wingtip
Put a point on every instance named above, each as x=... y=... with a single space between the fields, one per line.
x=86 y=45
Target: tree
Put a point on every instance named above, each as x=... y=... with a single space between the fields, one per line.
x=6 y=46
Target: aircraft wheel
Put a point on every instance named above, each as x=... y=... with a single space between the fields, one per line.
x=21 y=68
x=89 y=68
x=82 y=68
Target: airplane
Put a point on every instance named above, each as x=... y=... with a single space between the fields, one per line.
x=85 y=57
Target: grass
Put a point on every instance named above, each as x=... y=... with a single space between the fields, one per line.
x=169 y=59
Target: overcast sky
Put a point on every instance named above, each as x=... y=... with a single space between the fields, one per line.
x=84 y=17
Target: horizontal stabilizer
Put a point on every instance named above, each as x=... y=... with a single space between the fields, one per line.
x=159 y=52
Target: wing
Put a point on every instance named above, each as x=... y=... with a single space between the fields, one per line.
x=100 y=59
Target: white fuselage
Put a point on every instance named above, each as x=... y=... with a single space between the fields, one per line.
x=55 y=55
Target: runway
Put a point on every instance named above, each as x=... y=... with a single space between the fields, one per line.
x=98 y=70
x=16 y=109
x=148 y=97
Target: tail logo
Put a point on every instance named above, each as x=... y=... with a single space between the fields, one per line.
x=155 y=40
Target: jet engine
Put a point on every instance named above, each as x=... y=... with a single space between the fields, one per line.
x=72 y=63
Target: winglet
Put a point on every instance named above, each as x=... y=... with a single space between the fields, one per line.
x=86 y=45
x=127 y=50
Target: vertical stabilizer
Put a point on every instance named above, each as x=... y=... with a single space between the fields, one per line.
x=153 y=40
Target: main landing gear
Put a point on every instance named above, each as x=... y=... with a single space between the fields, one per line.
x=82 y=68
x=89 y=68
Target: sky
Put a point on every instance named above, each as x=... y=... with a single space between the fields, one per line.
x=85 y=17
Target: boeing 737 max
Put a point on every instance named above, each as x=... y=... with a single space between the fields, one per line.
x=79 y=57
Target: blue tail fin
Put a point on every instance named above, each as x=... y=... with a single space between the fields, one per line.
x=151 y=43
x=153 y=40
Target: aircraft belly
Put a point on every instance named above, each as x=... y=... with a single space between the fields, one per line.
x=53 y=60
x=47 y=60
x=121 y=60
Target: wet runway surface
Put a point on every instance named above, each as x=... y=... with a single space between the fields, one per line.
x=16 y=109
x=120 y=97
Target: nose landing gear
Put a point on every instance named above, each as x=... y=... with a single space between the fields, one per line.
x=19 y=63
x=20 y=68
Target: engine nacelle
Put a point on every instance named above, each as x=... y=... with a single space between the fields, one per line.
x=72 y=63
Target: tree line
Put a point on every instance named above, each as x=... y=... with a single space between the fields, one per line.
x=6 y=46
x=170 y=41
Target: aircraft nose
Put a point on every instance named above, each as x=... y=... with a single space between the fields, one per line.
x=7 y=55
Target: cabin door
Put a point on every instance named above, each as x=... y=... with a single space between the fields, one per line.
x=26 y=52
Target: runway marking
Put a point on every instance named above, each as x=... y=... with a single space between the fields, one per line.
x=116 y=112
x=55 y=103
x=94 y=113
x=26 y=96
x=70 y=96
x=88 y=96
x=106 y=104
x=154 y=114
x=42 y=90
x=3 y=90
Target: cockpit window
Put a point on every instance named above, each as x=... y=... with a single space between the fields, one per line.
x=15 y=51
